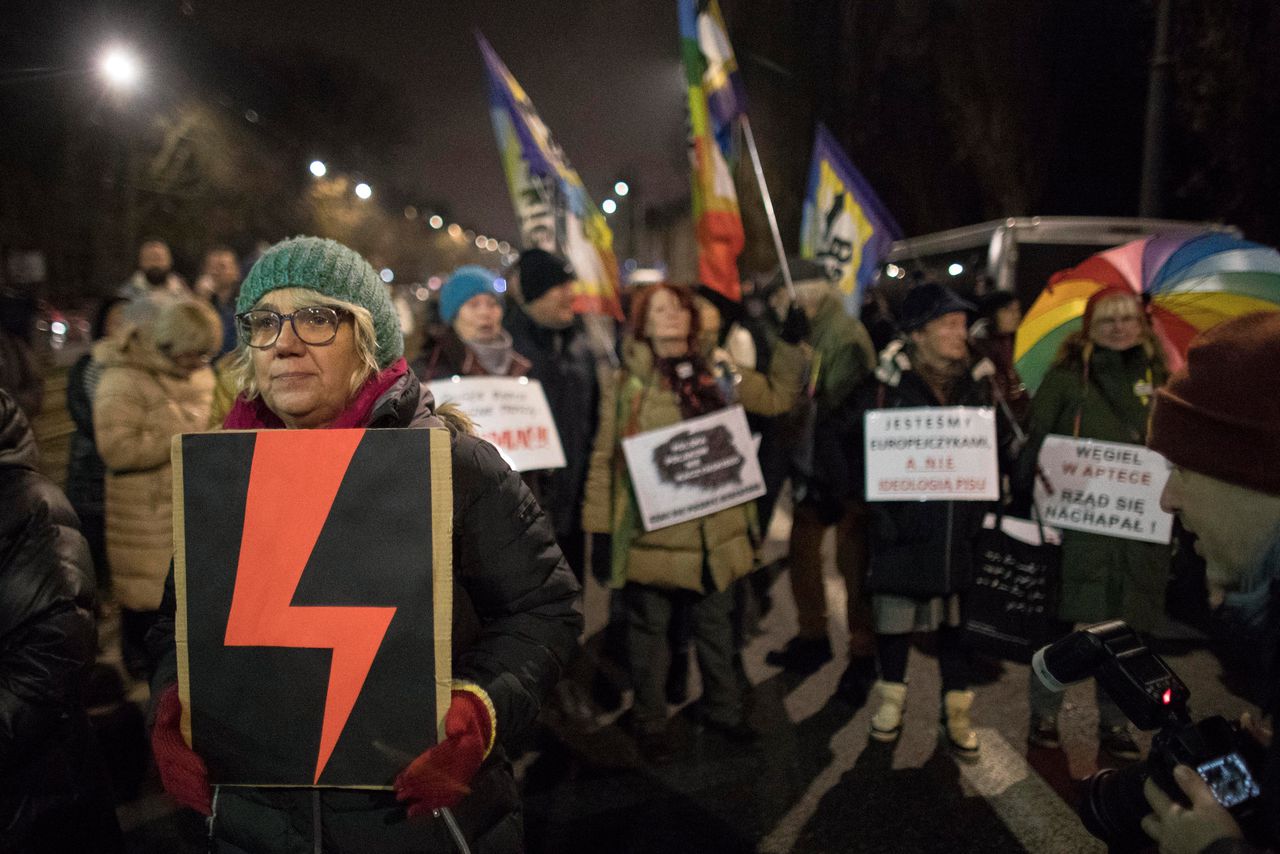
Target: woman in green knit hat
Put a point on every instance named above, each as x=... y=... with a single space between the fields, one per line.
x=320 y=348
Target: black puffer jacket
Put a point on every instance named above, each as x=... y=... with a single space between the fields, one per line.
x=562 y=360
x=517 y=615
x=49 y=777
x=920 y=549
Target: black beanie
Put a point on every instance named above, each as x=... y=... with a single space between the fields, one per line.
x=540 y=271
x=928 y=301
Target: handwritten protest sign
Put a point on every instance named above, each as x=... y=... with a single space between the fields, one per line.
x=945 y=453
x=1104 y=488
x=511 y=413
x=694 y=468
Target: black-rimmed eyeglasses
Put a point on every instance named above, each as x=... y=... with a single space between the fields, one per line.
x=316 y=325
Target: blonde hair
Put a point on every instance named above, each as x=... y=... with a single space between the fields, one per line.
x=366 y=341
x=1078 y=346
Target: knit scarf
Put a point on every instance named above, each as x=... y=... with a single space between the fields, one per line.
x=693 y=383
x=494 y=355
x=255 y=415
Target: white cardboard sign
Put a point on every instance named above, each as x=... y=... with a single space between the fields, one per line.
x=510 y=413
x=694 y=468
x=931 y=453
x=1109 y=488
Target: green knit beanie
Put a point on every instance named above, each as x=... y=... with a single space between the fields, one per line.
x=329 y=268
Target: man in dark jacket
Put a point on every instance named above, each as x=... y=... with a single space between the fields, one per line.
x=54 y=794
x=545 y=330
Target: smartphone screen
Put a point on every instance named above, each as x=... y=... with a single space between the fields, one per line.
x=1229 y=779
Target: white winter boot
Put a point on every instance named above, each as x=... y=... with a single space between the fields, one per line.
x=886 y=723
x=957 y=726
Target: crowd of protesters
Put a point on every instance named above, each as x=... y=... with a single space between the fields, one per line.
x=169 y=359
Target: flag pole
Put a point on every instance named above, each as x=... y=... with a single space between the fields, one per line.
x=768 y=206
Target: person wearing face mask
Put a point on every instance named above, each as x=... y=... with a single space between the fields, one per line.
x=921 y=552
x=473 y=344
x=1100 y=387
x=156 y=383
x=1216 y=421
x=154 y=274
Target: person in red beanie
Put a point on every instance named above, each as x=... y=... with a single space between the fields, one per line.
x=1218 y=422
x=319 y=349
x=1100 y=387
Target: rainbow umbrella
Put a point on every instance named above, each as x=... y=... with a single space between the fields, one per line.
x=1189 y=281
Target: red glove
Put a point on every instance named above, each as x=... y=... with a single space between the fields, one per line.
x=440 y=776
x=182 y=772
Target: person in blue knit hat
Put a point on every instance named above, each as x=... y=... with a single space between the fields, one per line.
x=473 y=343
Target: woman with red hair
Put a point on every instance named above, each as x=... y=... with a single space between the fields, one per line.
x=665 y=379
x=1101 y=387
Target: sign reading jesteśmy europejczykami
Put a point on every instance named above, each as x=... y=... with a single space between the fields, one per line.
x=945 y=453
x=511 y=413
x=694 y=468
x=1107 y=488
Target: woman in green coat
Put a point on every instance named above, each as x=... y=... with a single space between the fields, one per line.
x=1101 y=387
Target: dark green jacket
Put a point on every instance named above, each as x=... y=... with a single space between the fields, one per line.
x=1103 y=577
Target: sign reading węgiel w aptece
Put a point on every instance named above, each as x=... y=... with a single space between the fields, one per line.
x=1109 y=488
x=694 y=468
x=944 y=453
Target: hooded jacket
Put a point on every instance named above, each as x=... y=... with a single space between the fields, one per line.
x=517 y=615
x=47 y=641
x=143 y=401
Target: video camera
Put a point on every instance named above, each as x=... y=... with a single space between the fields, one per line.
x=1153 y=697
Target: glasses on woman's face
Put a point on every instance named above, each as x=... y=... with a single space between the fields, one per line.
x=316 y=325
x=1118 y=320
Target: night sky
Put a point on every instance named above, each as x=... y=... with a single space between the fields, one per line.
x=613 y=95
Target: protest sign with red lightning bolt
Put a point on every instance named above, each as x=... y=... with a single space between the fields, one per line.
x=293 y=481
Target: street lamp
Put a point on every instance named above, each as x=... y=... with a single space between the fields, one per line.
x=318 y=168
x=621 y=188
x=608 y=206
x=436 y=221
x=120 y=67
x=363 y=190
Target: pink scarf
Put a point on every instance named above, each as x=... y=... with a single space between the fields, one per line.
x=254 y=414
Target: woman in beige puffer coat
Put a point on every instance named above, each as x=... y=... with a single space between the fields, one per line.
x=156 y=384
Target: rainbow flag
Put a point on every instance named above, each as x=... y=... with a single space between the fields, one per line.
x=716 y=99
x=844 y=224
x=552 y=206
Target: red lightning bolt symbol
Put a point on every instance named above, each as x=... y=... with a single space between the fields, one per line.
x=293 y=480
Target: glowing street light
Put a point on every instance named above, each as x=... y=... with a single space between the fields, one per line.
x=120 y=67
x=387 y=275
x=956 y=268
x=455 y=230
x=621 y=188
x=608 y=206
x=436 y=221
x=363 y=190
x=318 y=168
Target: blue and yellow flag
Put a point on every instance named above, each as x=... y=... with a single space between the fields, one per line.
x=552 y=206
x=845 y=225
